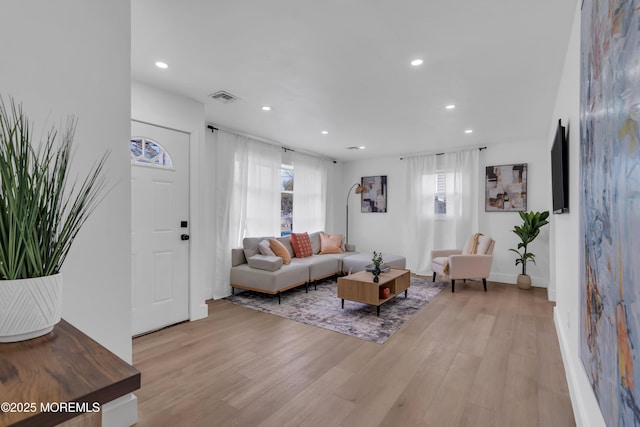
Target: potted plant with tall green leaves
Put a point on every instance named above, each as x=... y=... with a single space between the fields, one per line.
x=41 y=211
x=532 y=222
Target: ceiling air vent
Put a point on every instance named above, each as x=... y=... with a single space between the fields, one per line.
x=223 y=96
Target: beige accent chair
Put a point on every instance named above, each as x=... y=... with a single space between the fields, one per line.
x=464 y=263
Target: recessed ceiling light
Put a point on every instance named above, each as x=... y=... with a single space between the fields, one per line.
x=468 y=131
x=362 y=147
x=417 y=62
x=161 y=64
x=266 y=108
x=450 y=107
x=324 y=132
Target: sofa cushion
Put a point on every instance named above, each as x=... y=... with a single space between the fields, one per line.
x=320 y=266
x=265 y=262
x=315 y=241
x=265 y=248
x=301 y=245
x=330 y=243
x=250 y=245
x=269 y=281
x=237 y=257
x=286 y=241
x=280 y=250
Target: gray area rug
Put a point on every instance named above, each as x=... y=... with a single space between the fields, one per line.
x=322 y=308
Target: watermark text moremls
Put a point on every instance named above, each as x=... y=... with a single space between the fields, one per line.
x=78 y=407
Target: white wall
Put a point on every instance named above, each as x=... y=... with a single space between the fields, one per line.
x=565 y=239
x=386 y=231
x=499 y=224
x=72 y=57
x=382 y=232
x=157 y=107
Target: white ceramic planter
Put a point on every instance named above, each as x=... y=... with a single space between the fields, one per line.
x=29 y=308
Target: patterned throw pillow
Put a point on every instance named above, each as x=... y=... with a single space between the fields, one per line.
x=279 y=249
x=301 y=245
x=330 y=243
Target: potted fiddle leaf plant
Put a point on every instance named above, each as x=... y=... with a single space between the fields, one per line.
x=532 y=222
x=42 y=209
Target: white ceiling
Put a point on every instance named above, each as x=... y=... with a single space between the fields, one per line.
x=343 y=66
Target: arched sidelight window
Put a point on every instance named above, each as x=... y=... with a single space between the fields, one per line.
x=145 y=151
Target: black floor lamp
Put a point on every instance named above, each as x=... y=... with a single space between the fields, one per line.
x=359 y=189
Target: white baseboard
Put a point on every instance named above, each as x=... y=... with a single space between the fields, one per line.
x=583 y=401
x=122 y=412
x=551 y=294
x=200 y=312
x=538 y=282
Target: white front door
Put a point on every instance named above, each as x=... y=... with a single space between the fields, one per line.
x=159 y=227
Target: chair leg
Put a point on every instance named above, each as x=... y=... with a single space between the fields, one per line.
x=453 y=285
x=434 y=276
x=484 y=283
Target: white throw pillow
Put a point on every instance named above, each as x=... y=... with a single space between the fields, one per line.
x=265 y=248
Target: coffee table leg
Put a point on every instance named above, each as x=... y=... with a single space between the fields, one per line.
x=405 y=292
x=343 y=303
x=378 y=310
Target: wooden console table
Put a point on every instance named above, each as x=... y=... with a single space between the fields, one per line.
x=360 y=286
x=64 y=368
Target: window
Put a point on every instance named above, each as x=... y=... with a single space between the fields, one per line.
x=286 y=200
x=145 y=151
x=440 y=199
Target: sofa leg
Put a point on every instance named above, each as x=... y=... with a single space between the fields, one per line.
x=278 y=297
x=453 y=285
x=434 y=276
x=315 y=284
x=484 y=283
x=233 y=290
x=306 y=286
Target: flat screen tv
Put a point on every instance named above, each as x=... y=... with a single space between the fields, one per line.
x=560 y=171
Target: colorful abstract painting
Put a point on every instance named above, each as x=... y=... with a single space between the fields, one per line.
x=610 y=206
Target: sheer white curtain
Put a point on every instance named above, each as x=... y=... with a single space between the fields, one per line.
x=309 y=193
x=256 y=195
x=421 y=185
x=462 y=170
x=247 y=203
x=428 y=230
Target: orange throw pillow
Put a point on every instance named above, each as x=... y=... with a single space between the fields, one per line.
x=301 y=245
x=279 y=249
x=330 y=243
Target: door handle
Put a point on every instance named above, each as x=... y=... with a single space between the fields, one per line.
x=184 y=237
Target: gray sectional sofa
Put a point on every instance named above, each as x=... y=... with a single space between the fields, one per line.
x=253 y=271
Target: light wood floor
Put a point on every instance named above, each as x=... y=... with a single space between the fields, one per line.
x=466 y=359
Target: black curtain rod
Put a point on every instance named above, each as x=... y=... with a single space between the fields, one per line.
x=441 y=154
x=284 y=148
